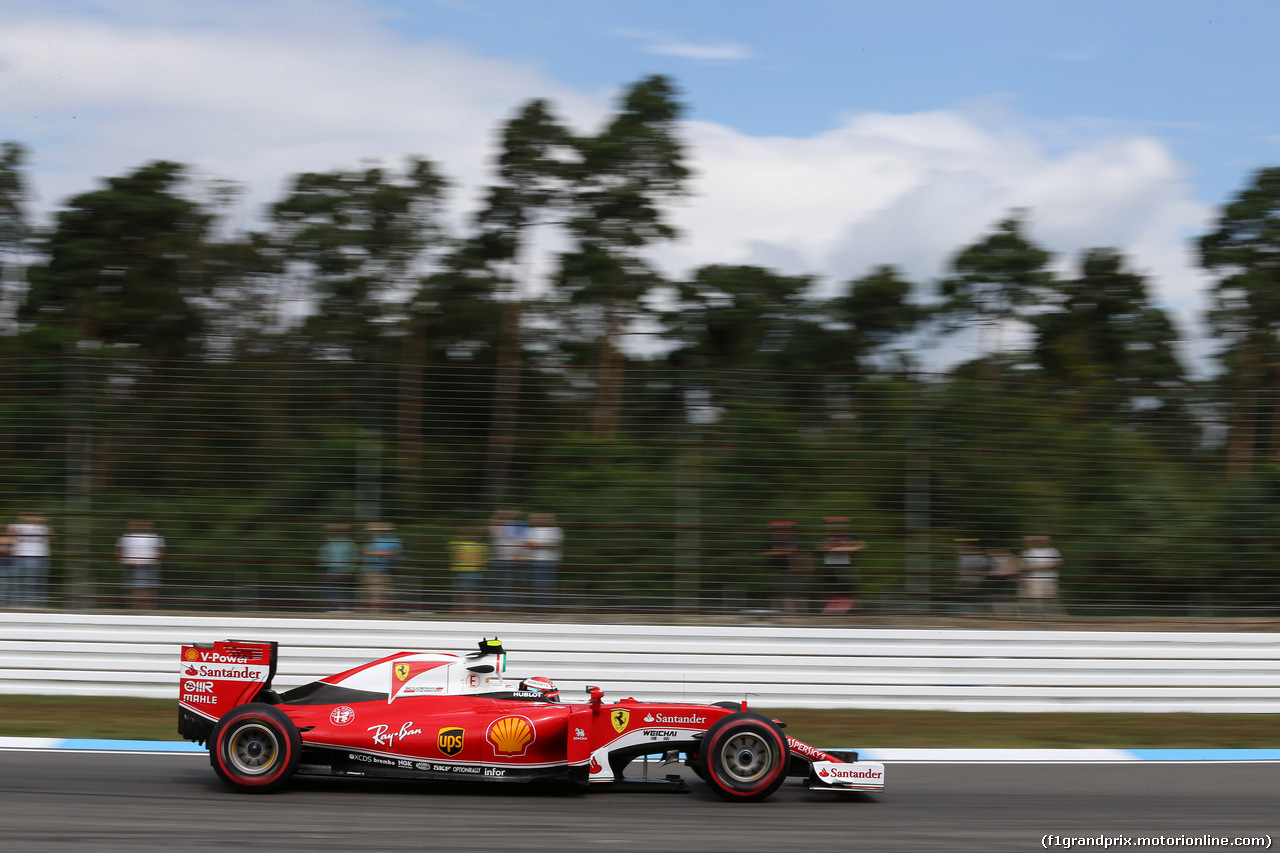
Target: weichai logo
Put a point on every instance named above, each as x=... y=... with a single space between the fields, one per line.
x=450 y=741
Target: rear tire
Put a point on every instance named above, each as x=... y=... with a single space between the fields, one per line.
x=254 y=748
x=744 y=757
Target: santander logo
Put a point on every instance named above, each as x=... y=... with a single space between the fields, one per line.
x=695 y=719
x=837 y=773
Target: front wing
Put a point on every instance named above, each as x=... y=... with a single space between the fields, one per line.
x=839 y=776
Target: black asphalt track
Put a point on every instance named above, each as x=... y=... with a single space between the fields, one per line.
x=61 y=801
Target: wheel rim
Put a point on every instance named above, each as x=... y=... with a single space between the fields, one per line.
x=253 y=749
x=746 y=757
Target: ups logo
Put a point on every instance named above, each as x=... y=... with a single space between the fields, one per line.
x=450 y=741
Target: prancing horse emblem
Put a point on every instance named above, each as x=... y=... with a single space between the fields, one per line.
x=620 y=717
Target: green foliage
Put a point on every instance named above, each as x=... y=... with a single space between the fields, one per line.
x=421 y=385
x=1242 y=250
x=358 y=235
x=997 y=278
x=124 y=267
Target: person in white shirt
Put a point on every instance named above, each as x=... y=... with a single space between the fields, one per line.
x=1040 y=576
x=139 y=551
x=29 y=560
x=543 y=549
x=507 y=555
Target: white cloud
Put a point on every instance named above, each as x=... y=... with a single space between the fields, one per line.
x=705 y=52
x=911 y=190
x=253 y=96
x=258 y=93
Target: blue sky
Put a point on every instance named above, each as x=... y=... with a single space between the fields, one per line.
x=1204 y=76
x=827 y=137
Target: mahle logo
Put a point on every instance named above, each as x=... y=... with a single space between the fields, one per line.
x=450 y=741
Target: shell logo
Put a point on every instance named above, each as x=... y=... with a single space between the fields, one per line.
x=510 y=735
x=192 y=654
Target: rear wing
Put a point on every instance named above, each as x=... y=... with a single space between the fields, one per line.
x=213 y=678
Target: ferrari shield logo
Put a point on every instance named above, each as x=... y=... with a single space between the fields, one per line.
x=402 y=671
x=620 y=717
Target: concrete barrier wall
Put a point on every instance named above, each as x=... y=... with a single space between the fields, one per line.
x=773 y=667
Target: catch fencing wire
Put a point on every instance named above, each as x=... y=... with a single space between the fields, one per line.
x=241 y=464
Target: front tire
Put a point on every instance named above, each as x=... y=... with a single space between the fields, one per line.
x=254 y=748
x=744 y=757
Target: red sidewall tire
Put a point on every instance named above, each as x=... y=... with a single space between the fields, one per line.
x=744 y=757
x=255 y=748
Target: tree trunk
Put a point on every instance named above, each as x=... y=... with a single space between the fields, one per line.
x=609 y=381
x=409 y=410
x=506 y=403
x=1241 y=442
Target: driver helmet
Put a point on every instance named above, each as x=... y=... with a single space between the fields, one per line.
x=543 y=685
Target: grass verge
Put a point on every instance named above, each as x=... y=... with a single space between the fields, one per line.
x=157 y=719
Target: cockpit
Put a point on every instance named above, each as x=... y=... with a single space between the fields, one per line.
x=417 y=674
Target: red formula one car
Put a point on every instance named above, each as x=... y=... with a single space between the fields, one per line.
x=441 y=716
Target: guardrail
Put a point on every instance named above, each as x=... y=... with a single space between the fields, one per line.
x=773 y=667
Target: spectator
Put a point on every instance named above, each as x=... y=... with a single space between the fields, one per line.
x=507 y=535
x=543 y=546
x=337 y=562
x=381 y=551
x=467 y=554
x=839 y=574
x=972 y=566
x=1040 y=576
x=1003 y=569
x=29 y=560
x=6 y=571
x=139 y=551
x=785 y=563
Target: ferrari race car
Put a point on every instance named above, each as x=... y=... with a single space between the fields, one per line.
x=436 y=716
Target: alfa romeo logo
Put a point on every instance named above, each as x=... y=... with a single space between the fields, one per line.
x=342 y=715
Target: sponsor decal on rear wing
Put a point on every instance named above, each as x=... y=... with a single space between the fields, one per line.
x=215 y=677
